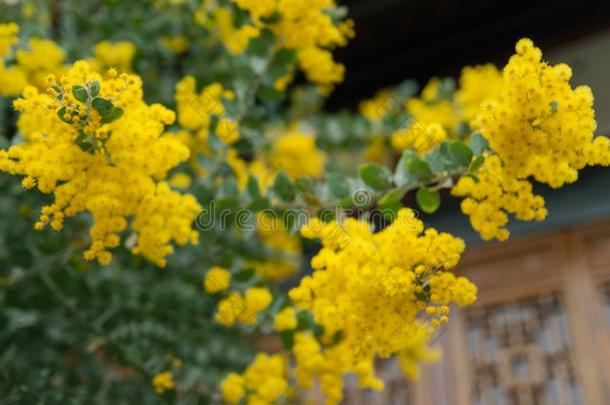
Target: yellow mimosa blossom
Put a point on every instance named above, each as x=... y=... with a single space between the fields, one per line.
x=296 y=153
x=244 y=309
x=108 y=158
x=540 y=126
x=8 y=38
x=163 y=382
x=233 y=388
x=366 y=288
x=234 y=39
x=216 y=280
x=286 y=319
x=263 y=383
x=178 y=44
x=495 y=195
x=286 y=249
x=478 y=83
x=118 y=55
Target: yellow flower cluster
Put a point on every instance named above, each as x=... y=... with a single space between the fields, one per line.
x=285 y=247
x=216 y=280
x=328 y=365
x=163 y=381
x=176 y=44
x=305 y=26
x=369 y=291
x=296 y=153
x=32 y=65
x=43 y=57
x=244 y=309
x=495 y=195
x=12 y=79
x=263 y=383
x=416 y=352
x=433 y=119
x=234 y=39
x=540 y=126
x=118 y=55
x=111 y=168
x=196 y=110
x=8 y=38
x=435 y=116
x=378 y=107
x=285 y=320
x=419 y=136
x=477 y=83
x=293 y=151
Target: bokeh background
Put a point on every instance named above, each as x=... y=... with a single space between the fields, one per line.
x=540 y=333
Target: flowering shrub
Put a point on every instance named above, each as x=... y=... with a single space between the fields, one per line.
x=229 y=184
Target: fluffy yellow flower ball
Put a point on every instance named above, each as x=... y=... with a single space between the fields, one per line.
x=286 y=319
x=478 y=83
x=216 y=280
x=233 y=388
x=8 y=38
x=244 y=309
x=263 y=383
x=163 y=381
x=296 y=153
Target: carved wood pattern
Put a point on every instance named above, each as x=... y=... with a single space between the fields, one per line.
x=520 y=354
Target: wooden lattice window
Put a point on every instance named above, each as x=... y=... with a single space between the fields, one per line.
x=520 y=354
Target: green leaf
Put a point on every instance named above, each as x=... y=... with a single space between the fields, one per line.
x=252 y=188
x=420 y=170
x=460 y=153
x=84 y=143
x=102 y=106
x=306 y=185
x=80 y=93
x=318 y=330
x=259 y=204
x=269 y=94
x=113 y=116
x=304 y=320
x=435 y=160
x=428 y=200
x=94 y=89
x=260 y=45
x=393 y=195
x=288 y=339
x=61 y=113
x=285 y=56
x=338 y=185
x=476 y=164
x=463 y=130
x=389 y=209
x=244 y=276
x=283 y=187
x=375 y=176
x=402 y=176
x=478 y=143
x=391 y=203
